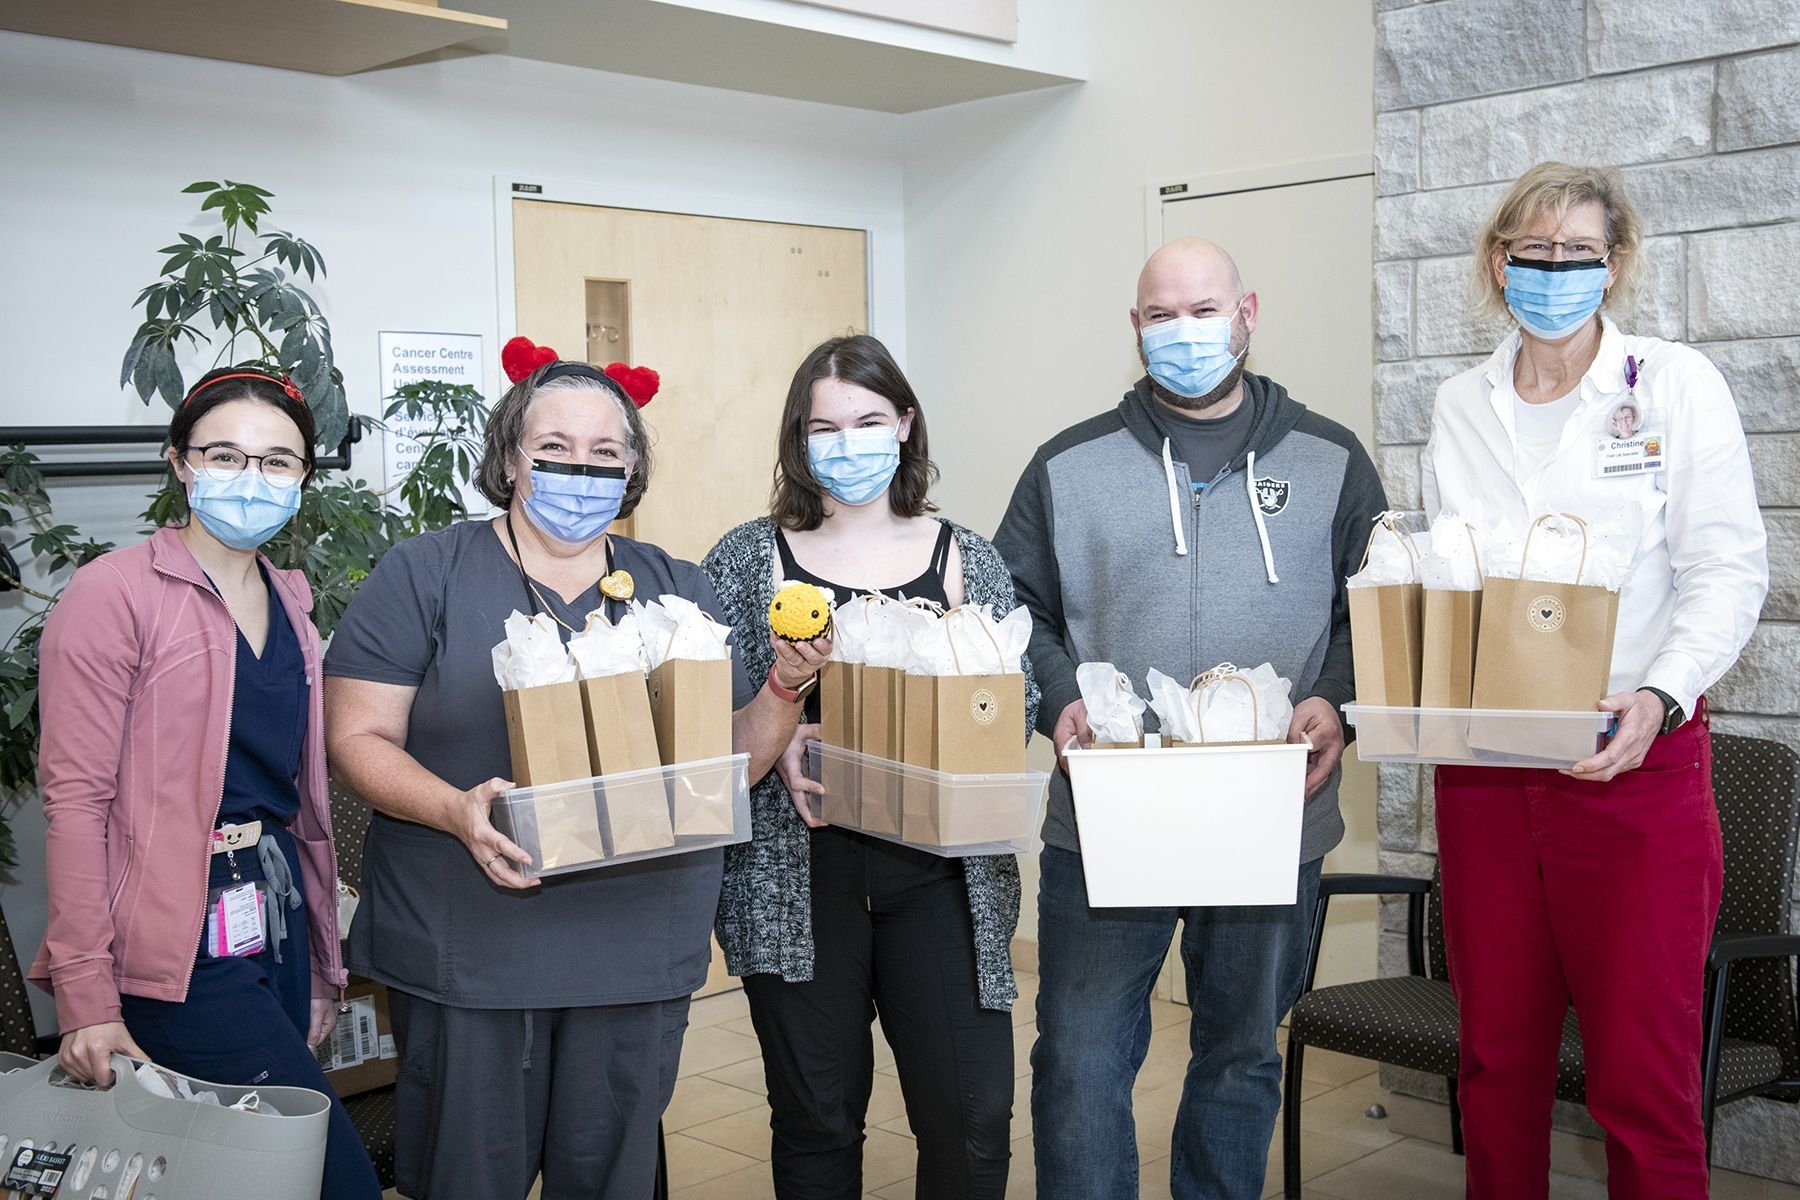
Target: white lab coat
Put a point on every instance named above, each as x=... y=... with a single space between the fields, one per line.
x=1701 y=571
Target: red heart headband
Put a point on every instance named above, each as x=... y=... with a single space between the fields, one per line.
x=286 y=381
x=521 y=356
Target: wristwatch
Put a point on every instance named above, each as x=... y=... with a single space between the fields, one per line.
x=791 y=695
x=1672 y=714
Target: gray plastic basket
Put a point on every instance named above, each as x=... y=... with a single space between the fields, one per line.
x=176 y=1149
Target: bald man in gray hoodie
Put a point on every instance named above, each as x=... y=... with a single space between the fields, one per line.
x=1208 y=518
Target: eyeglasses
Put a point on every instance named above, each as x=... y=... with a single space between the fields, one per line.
x=224 y=463
x=1544 y=249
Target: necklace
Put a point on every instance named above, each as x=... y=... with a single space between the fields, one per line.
x=538 y=603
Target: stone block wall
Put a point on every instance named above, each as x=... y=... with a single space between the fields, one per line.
x=1698 y=101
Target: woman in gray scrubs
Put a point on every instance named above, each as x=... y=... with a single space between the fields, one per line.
x=538 y=1023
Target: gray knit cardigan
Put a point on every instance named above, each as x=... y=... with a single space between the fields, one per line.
x=765 y=910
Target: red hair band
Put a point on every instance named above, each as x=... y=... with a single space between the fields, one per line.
x=521 y=356
x=285 y=381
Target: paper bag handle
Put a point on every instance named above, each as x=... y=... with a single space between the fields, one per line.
x=999 y=654
x=1224 y=673
x=1475 y=549
x=1525 y=554
x=1386 y=521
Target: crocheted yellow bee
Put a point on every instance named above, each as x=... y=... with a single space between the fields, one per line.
x=800 y=612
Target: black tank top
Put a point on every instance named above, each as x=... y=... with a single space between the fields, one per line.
x=929 y=586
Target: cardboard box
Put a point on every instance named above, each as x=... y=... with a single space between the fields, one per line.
x=359 y=1056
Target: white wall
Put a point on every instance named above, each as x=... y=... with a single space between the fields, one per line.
x=1025 y=225
x=390 y=174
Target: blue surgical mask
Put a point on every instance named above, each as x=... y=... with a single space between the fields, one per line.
x=855 y=465
x=244 y=510
x=574 y=502
x=1551 y=300
x=1190 y=355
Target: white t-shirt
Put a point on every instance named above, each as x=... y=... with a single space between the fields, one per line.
x=1539 y=428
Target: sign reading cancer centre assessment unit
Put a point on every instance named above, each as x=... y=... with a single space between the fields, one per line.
x=408 y=357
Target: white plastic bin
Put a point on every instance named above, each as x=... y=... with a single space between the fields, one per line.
x=955 y=816
x=628 y=816
x=131 y=1142
x=1193 y=825
x=1477 y=737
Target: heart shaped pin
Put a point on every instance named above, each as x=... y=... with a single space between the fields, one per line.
x=618 y=586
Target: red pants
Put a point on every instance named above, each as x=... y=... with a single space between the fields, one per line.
x=1605 y=894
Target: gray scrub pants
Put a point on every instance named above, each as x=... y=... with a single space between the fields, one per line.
x=489 y=1098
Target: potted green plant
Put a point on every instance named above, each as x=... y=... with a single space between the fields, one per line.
x=252 y=298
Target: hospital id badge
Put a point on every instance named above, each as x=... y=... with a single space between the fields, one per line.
x=234 y=921
x=1630 y=444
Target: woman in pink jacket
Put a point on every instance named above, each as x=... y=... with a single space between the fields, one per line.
x=193 y=887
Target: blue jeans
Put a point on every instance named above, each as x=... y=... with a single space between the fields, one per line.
x=1097 y=968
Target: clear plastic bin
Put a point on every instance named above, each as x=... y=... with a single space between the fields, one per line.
x=630 y=816
x=1170 y=826
x=1477 y=737
x=955 y=816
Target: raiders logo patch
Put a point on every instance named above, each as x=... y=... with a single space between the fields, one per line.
x=1272 y=495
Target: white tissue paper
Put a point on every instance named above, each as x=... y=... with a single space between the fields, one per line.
x=1115 y=712
x=850 y=629
x=1174 y=708
x=676 y=627
x=892 y=626
x=1394 y=554
x=1454 y=562
x=1598 y=552
x=969 y=641
x=533 y=654
x=1229 y=714
x=602 y=648
x=1219 y=706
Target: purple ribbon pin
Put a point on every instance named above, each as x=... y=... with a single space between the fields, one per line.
x=1631 y=373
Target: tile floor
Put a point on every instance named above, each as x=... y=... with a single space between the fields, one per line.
x=718 y=1125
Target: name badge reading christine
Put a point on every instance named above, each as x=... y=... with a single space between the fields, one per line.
x=1644 y=454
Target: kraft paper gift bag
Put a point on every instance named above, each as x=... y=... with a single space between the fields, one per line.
x=690 y=706
x=1386 y=618
x=568 y=827
x=1115 y=712
x=840 y=719
x=1546 y=643
x=545 y=729
x=881 y=694
x=621 y=735
x=1450 y=577
x=965 y=710
x=621 y=739
x=547 y=733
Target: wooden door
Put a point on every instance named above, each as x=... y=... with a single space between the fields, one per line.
x=724 y=309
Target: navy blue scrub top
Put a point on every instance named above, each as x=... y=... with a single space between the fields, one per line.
x=269 y=706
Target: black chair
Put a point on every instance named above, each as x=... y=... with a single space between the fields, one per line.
x=1753 y=1050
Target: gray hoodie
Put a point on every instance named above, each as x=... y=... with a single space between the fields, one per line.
x=1120 y=560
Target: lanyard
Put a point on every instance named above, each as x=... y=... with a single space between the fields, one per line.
x=535 y=598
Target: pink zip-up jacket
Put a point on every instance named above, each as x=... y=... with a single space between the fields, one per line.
x=137 y=668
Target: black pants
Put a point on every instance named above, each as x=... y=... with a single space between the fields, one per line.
x=891 y=935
